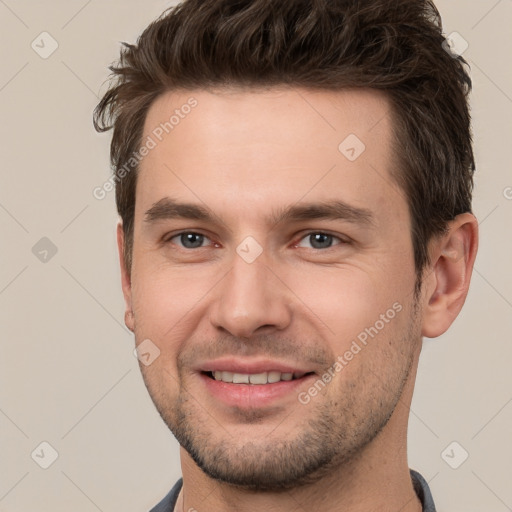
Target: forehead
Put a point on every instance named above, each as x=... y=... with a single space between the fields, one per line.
x=256 y=147
x=222 y=114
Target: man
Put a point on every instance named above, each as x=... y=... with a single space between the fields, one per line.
x=294 y=184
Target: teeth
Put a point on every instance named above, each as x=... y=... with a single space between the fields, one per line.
x=258 y=378
x=274 y=377
x=227 y=376
x=240 y=378
x=254 y=378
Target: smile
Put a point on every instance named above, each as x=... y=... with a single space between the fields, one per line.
x=269 y=377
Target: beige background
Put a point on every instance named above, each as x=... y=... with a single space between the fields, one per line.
x=68 y=376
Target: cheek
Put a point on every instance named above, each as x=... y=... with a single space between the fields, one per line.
x=343 y=302
x=166 y=303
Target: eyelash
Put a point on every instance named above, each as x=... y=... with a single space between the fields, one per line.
x=177 y=235
x=340 y=241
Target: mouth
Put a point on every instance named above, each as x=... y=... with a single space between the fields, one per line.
x=244 y=384
x=262 y=378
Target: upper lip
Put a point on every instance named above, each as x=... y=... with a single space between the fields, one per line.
x=252 y=366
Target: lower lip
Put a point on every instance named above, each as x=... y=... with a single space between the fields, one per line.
x=253 y=395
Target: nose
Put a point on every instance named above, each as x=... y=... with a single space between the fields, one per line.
x=250 y=300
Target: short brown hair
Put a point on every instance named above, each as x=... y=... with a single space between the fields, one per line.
x=393 y=45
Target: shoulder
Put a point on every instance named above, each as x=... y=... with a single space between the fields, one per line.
x=168 y=503
x=423 y=491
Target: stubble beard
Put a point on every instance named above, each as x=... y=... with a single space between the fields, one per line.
x=336 y=432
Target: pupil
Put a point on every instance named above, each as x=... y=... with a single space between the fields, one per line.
x=320 y=240
x=192 y=240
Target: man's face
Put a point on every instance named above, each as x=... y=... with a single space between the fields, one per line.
x=264 y=248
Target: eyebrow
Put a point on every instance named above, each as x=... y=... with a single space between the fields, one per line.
x=168 y=208
x=328 y=210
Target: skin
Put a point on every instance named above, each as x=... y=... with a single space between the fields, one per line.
x=244 y=155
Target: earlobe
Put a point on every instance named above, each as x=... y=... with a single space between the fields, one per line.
x=125 y=279
x=129 y=320
x=453 y=256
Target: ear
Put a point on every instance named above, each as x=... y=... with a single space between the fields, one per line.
x=447 y=285
x=125 y=280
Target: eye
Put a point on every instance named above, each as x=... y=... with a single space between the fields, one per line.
x=190 y=240
x=319 y=240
